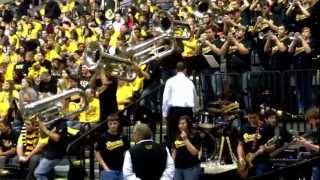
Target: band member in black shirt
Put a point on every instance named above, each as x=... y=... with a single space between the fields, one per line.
x=313 y=119
x=185 y=152
x=111 y=148
x=276 y=49
x=301 y=49
x=252 y=138
x=55 y=150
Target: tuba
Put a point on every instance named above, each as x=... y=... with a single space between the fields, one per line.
x=175 y=28
x=153 y=49
x=203 y=6
x=121 y=67
x=52 y=108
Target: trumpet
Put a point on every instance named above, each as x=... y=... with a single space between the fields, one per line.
x=51 y=109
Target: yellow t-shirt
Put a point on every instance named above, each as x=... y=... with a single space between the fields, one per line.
x=92 y=114
x=4 y=107
x=114 y=39
x=14 y=40
x=72 y=106
x=4 y=96
x=37 y=25
x=189 y=47
x=13 y=58
x=52 y=54
x=137 y=84
x=73 y=46
x=124 y=93
x=33 y=74
x=8 y=76
x=25 y=30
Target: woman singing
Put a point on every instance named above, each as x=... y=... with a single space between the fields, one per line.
x=185 y=152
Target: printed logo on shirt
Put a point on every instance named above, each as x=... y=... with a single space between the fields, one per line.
x=250 y=137
x=7 y=143
x=148 y=147
x=111 y=145
x=179 y=144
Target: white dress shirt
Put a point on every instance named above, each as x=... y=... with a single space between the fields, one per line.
x=128 y=173
x=179 y=91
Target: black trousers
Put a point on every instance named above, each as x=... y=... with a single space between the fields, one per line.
x=173 y=121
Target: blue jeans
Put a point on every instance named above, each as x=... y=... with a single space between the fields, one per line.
x=111 y=175
x=44 y=168
x=192 y=173
x=316 y=173
x=259 y=169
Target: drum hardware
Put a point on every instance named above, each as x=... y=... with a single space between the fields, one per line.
x=217 y=166
x=204 y=122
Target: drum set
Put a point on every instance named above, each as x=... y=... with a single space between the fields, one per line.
x=214 y=127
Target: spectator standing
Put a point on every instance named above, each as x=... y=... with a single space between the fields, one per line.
x=110 y=149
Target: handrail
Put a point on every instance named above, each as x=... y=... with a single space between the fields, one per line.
x=90 y=131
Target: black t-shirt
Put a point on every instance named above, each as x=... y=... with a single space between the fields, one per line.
x=153 y=70
x=280 y=60
x=84 y=82
x=108 y=99
x=254 y=137
x=8 y=141
x=21 y=70
x=50 y=86
x=47 y=64
x=237 y=62
x=56 y=150
x=208 y=51
x=112 y=149
x=302 y=60
x=184 y=159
